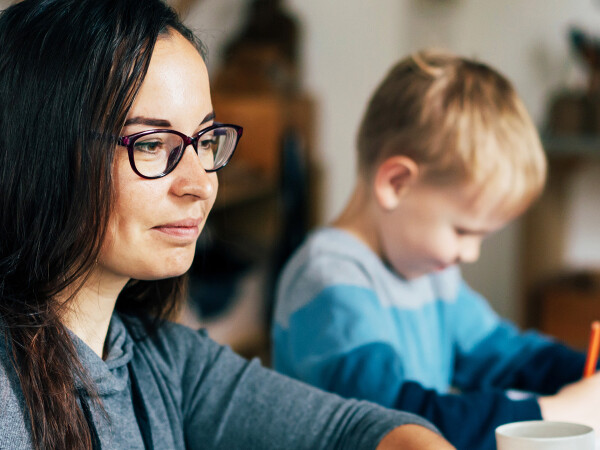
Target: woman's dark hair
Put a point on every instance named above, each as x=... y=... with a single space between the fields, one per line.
x=69 y=71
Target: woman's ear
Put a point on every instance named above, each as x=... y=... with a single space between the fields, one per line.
x=393 y=178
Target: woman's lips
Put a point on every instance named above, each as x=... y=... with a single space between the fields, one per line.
x=187 y=229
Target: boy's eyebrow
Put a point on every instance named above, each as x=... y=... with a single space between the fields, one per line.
x=153 y=122
x=463 y=230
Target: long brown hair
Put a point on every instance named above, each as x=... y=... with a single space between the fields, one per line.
x=69 y=71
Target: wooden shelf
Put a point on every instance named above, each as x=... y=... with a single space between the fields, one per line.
x=566 y=314
x=557 y=310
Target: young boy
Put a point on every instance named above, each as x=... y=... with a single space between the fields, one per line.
x=374 y=306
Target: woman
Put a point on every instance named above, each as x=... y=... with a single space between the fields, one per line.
x=108 y=153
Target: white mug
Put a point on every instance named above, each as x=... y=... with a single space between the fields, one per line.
x=544 y=435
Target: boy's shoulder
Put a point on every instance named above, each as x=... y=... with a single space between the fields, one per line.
x=328 y=257
x=332 y=257
x=335 y=241
x=333 y=252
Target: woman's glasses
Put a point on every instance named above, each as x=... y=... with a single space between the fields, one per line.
x=156 y=153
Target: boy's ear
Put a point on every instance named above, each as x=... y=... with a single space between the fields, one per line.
x=393 y=178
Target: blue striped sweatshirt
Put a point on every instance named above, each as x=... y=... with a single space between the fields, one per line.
x=345 y=322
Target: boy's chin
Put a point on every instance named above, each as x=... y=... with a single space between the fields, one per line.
x=411 y=275
x=418 y=273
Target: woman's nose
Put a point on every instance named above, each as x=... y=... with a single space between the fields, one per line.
x=190 y=177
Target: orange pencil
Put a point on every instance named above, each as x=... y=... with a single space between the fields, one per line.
x=592 y=354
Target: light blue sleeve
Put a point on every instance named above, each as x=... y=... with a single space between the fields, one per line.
x=490 y=351
x=339 y=339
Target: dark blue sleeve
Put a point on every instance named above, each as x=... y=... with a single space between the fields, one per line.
x=492 y=353
x=549 y=369
x=467 y=420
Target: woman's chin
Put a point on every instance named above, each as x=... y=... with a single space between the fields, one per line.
x=171 y=271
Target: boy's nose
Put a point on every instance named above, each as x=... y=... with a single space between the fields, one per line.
x=470 y=248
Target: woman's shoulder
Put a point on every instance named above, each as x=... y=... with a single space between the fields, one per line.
x=177 y=352
x=166 y=340
x=13 y=426
x=6 y=366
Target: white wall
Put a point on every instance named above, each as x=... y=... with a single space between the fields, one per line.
x=215 y=22
x=347 y=51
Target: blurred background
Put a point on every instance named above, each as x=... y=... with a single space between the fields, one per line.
x=540 y=271
x=297 y=74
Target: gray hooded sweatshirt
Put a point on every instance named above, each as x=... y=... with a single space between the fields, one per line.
x=177 y=388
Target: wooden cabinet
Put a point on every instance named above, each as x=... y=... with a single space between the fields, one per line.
x=251 y=186
x=567 y=309
x=561 y=298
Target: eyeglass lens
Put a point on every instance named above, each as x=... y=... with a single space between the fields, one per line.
x=157 y=153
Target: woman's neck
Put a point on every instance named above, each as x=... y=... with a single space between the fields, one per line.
x=88 y=314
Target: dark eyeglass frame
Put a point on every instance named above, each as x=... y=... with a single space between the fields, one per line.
x=129 y=141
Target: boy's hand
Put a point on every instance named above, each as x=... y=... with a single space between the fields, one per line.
x=415 y=437
x=576 y=402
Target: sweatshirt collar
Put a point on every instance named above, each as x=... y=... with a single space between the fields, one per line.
x=109 y=375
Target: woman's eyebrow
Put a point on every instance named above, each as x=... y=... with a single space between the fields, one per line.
x=210 y=116
x=139 y=120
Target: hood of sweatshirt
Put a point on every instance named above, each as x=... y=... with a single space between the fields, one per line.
x=110 y=375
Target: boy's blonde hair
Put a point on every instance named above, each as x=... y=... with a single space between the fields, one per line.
x=460 y=120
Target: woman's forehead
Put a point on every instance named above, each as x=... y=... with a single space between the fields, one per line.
x=176 y=82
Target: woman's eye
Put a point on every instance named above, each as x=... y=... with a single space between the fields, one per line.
x=208 y=143
x=148 y=146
